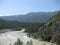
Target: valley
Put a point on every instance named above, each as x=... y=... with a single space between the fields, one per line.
x=22 y=33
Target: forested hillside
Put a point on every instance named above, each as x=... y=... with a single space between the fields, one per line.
x=51 y=30
x=15 y=25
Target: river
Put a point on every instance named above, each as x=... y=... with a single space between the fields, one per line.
x=12 y=36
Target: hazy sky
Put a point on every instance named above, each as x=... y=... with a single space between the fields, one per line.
x=12 y=7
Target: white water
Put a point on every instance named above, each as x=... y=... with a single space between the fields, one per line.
x=12 y=36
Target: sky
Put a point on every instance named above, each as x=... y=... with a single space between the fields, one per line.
x=15 y=7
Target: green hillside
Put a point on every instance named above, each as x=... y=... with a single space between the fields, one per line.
x=54 y=22
x=56 y=17
x=51 y=30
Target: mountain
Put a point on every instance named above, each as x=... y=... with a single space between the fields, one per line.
x=33 y=17
x=51 y=30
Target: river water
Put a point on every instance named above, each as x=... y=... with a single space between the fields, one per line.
x=12 y=36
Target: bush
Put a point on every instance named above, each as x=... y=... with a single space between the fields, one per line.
x=29 y=42
x=19 y=42
x=56 y=39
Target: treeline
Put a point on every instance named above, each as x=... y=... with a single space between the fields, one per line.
x=30 y=27
x=33 y=28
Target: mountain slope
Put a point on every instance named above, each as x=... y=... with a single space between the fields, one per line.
x=33 y=17
x=51 y=30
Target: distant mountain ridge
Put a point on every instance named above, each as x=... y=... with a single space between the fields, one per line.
x=33 y=17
